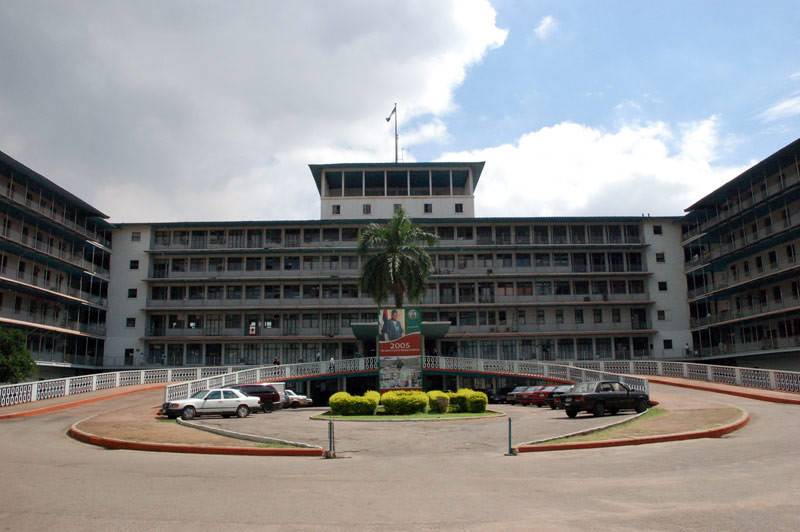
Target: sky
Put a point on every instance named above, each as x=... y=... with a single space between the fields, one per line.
x=180 y=111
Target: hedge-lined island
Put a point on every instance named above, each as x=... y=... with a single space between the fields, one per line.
x=408 y=405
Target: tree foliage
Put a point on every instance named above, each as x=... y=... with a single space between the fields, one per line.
x=396 y=263
x=16 y=362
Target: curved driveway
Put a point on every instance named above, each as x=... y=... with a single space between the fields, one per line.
x=748 y=480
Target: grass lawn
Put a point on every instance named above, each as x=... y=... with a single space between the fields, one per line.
x=410 y=417
x=614 y=432
x=278 y=445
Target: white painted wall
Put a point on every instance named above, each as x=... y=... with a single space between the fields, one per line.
x=120 y=307
x=673 y=301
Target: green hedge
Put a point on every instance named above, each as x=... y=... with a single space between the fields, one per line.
x=373 y=396
x=344 y=404
x=476 y=402
x=458 y=400
x=466 y=400
x=404 y=402
x=407 y=402
x=439 y=401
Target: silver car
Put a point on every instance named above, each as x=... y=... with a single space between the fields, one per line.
x=226 y=402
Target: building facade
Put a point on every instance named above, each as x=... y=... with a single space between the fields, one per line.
x=585 y=288
x=55 y=254
x=741 y=243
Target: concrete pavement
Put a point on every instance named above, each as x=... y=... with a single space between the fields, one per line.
x=745 y=481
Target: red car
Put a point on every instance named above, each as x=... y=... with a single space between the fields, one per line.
x=541 y=396
x=525 y=398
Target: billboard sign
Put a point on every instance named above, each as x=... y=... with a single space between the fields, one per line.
x=400 y=348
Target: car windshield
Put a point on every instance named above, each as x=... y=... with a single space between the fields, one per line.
x=584 y=387
x=200 y=394
x=519 y=389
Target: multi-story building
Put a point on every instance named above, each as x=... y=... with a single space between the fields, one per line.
x=55 y=254
x=205 y=293
x=741 y=244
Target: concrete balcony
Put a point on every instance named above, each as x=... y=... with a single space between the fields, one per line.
x=12 y=316
x=74 y=259
x=754 y=312
x=49 y=213
x=68 y=293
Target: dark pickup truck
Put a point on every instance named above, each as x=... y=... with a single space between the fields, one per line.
x=599 y=397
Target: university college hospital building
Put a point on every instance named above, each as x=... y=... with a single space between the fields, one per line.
x=720 y=283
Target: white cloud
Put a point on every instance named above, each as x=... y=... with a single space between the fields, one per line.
x=785 y=108
x=546 y=27
x=163 y=111
x=796 y=75
x=574 y=169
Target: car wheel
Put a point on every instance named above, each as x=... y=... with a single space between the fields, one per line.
x=295 y=405
x=539 y=405
x=188 y=413
x=599 y=410
x=552 y=407
x=242 y=411
x=641 y=406
x=571 y=413
x=266 y=408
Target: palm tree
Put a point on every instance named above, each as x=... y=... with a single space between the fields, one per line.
x=396 y=263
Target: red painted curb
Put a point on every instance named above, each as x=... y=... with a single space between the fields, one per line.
x=678 y=436
x=114 y=443
x=72 y=404
x=746 y=394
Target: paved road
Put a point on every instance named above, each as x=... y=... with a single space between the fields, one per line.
x=396 y=438
x=746 y=481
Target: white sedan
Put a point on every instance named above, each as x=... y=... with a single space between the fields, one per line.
x=226 y=402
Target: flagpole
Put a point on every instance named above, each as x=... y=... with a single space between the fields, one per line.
x=395 y=134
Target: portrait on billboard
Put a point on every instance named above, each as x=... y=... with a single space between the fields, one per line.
x=392 y=324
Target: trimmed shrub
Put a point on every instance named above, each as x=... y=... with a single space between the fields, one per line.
x=476 y=402
x=344 y=404
x=374 y=398
x=439 y=401
x=340 y=403
x=404 y=402
x=458 y=400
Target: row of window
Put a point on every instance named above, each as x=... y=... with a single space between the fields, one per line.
x=366 y=208
x=467 y=292
x=500 y=234
x=252 y=323
x=445 y=263
x=251 y=353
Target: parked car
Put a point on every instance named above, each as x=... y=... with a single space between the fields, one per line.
x=268 y=396
x=539 y=397
x=599 y=397
x=525 y=398
x=226 y=402
x=554 y=401
x=512 y=397
x=500 y=395
x=293 y=400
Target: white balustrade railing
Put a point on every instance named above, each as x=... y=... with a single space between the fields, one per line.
x=191 y=380
x=765 y=379
x=531 y=369
x=272 y=374
x=26 y=392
